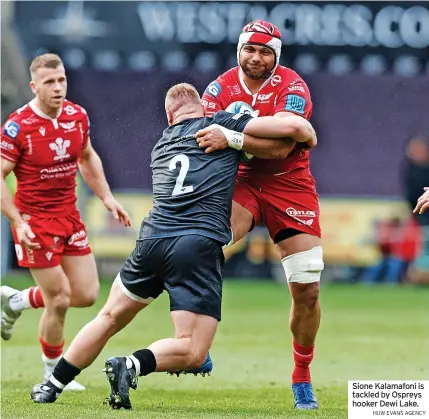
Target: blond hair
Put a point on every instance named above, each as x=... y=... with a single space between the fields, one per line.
x=181 y=94
x=45 y=61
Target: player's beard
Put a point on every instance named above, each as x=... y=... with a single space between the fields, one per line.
x=257 y=75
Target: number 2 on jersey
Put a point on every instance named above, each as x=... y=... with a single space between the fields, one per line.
x=179 y=189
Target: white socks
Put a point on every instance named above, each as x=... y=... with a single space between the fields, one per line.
x=20 y=301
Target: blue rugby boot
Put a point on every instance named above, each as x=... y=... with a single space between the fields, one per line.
x=304 y=397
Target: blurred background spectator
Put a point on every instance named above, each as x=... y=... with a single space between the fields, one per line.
x=366 y=64
x=398 y=242
x=254 y=261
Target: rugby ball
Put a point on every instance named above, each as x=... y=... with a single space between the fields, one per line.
x=241 y=108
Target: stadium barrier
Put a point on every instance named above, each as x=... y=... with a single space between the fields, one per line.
x=347 y=226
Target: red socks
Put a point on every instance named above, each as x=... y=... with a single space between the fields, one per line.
x=35 y=297
x=302 y=357
x=51 y=351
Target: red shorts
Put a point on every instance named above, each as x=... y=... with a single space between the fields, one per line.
x=279 y=205
x=57 y=236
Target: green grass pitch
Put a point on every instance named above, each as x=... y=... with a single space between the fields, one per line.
x=366 y=333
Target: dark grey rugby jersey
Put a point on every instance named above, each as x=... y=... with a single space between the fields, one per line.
x=192 y=190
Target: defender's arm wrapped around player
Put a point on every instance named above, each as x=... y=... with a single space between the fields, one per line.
x=258 y=136
x=295 y=100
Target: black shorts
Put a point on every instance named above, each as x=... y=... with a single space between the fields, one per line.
x=189 y=268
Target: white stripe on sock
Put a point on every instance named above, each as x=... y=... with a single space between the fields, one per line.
x=56 y=383
x=26 y=298
x=136 y=363
x=129 y=362
x=302 y=354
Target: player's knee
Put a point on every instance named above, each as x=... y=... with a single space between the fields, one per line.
x=88 y=297
x=305 y=295
x=312 y=295
x=196 y=358
x=304 y=267
x=59 y=303
x=91 y=298
x=183 y=334
x=109 y=319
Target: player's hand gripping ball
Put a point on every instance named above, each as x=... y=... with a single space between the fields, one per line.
x=242 y=108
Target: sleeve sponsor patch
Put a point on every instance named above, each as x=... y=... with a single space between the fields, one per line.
x=208 y=105
x=7 y=146
x=11 y=129
x=295 y=103
x=214 y=89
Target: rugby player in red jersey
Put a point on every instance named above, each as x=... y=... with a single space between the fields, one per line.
x=44 y=143
x=279 y=193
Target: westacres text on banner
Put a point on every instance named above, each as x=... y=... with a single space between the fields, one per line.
x=395 y=399
x=142 y=35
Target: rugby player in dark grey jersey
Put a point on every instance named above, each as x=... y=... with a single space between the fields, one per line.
x=179 y=248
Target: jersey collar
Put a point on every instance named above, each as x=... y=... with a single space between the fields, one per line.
x=245 y=88
x=38 y=112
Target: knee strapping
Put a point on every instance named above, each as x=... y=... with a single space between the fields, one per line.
x=304 y=267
